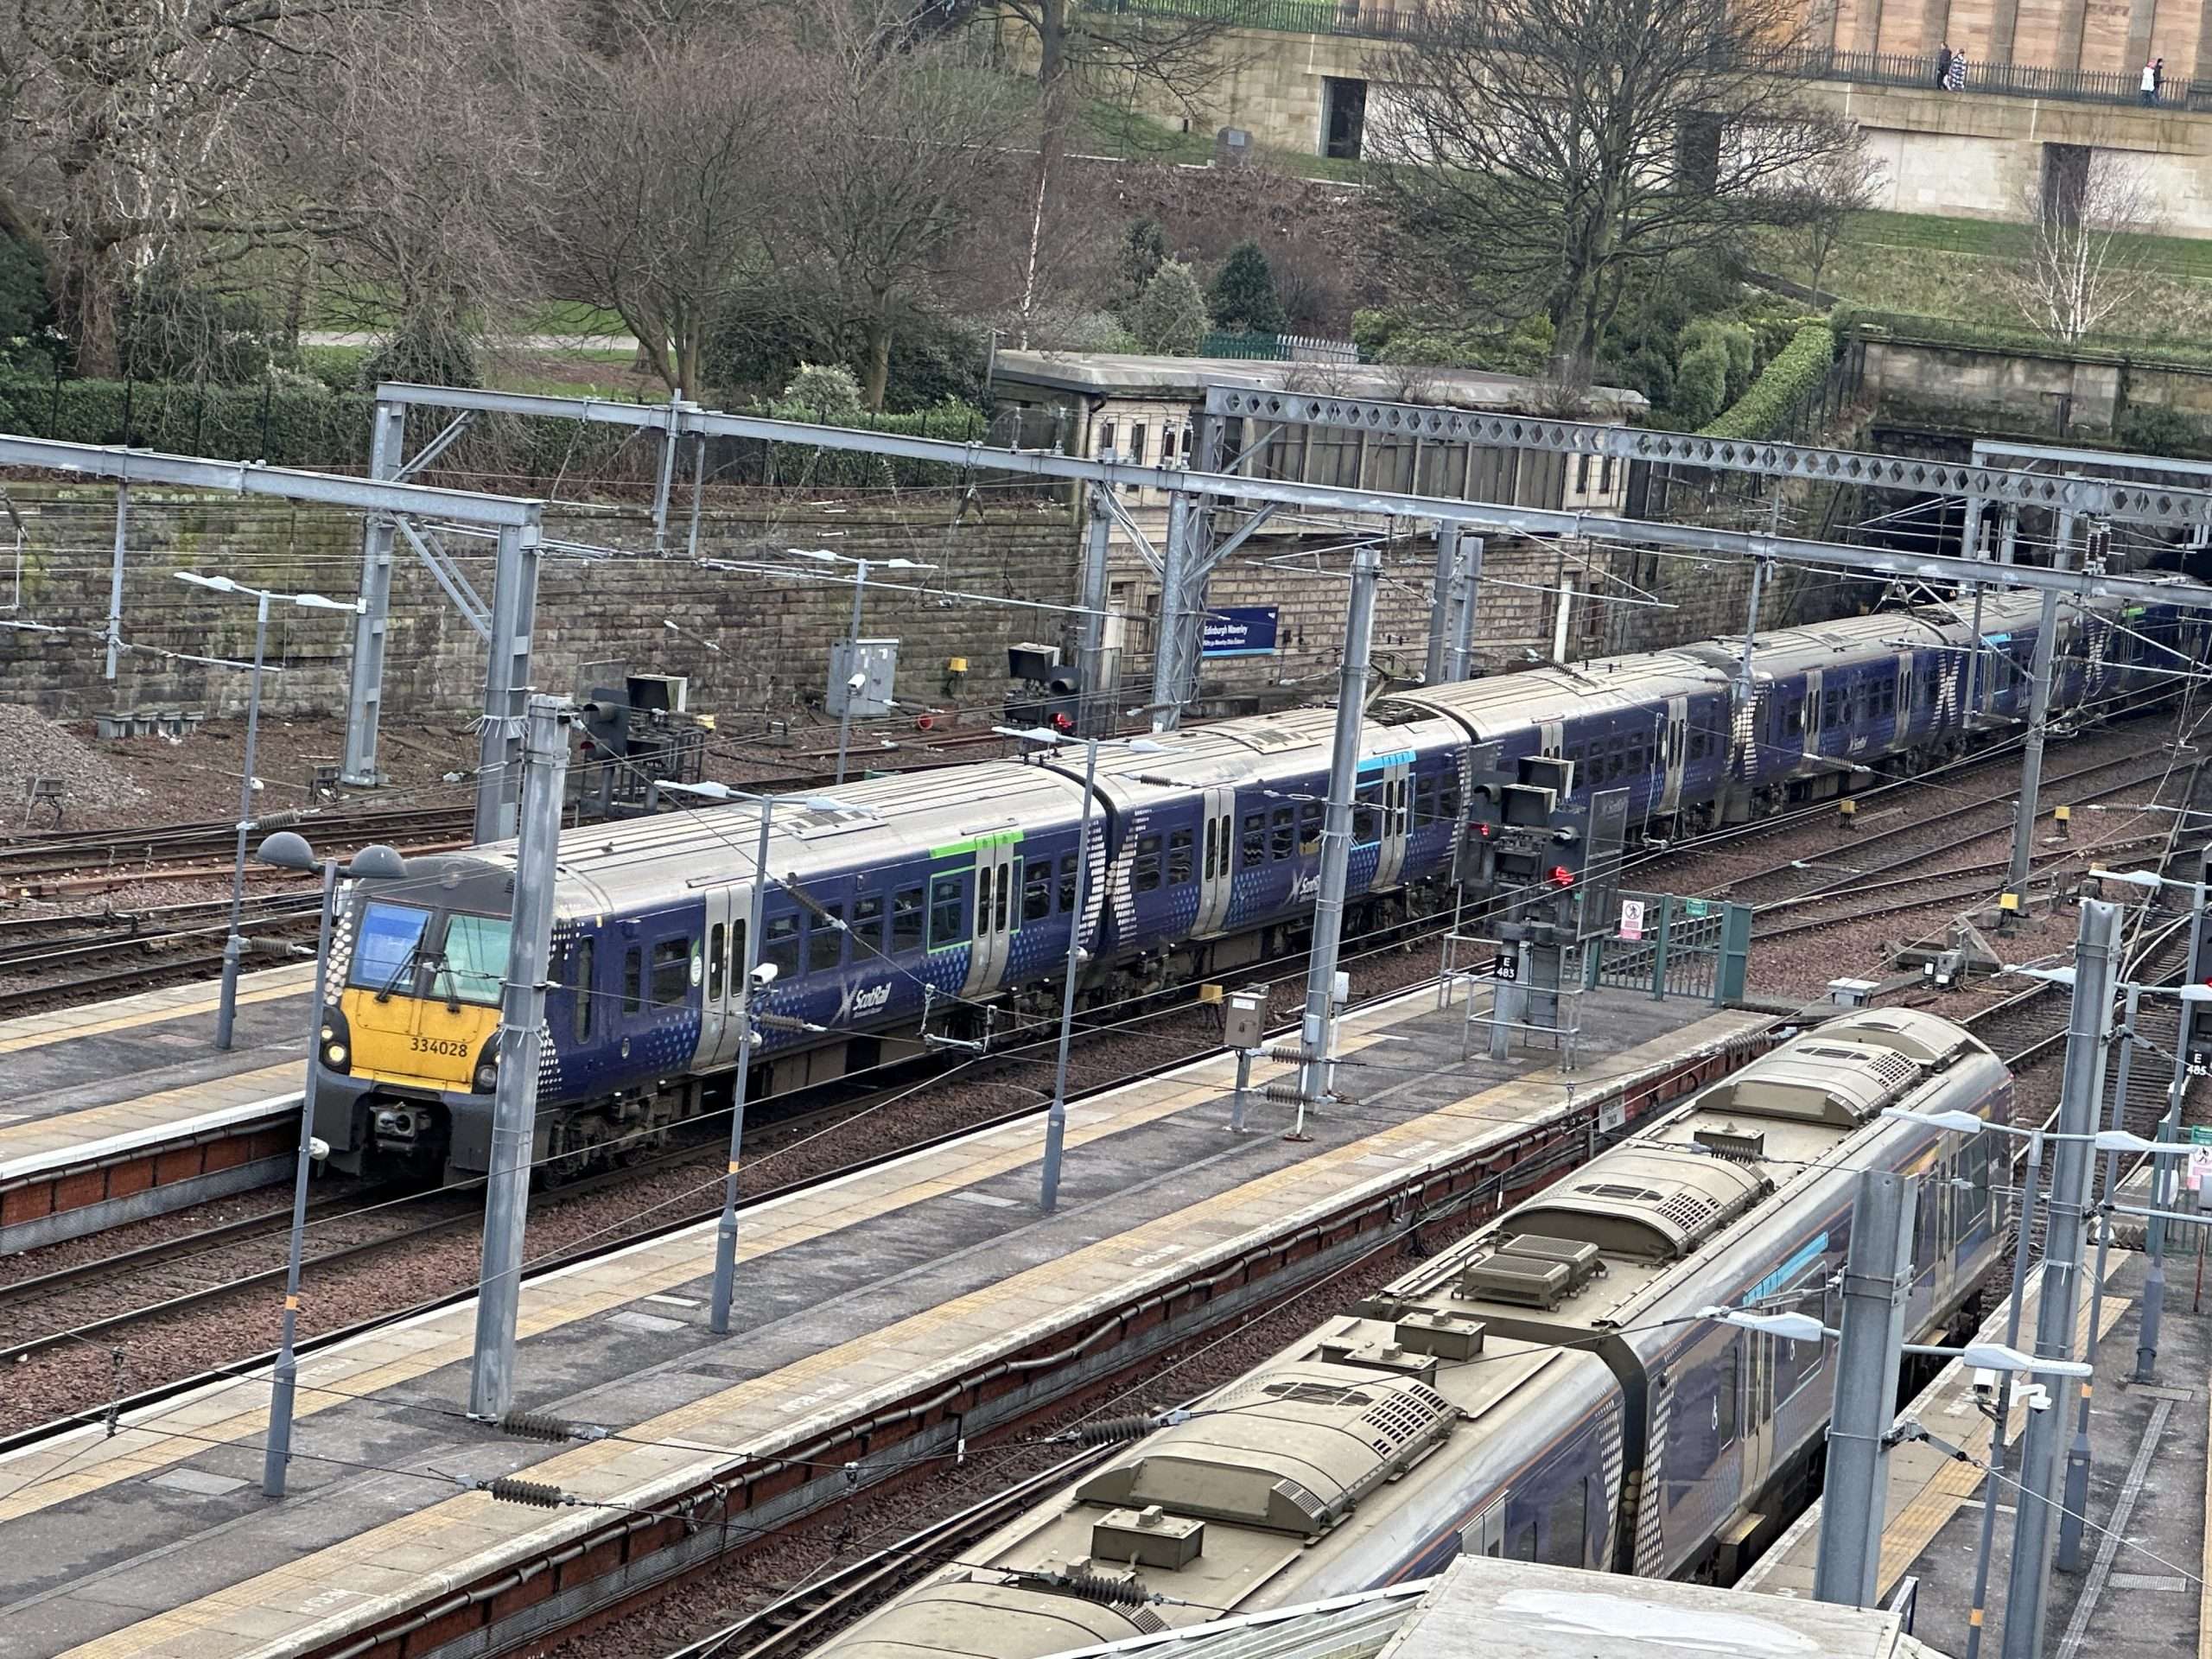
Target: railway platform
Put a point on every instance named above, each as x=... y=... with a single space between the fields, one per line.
x=122 y=1109
x=2146 y=1548
x=886 y=1318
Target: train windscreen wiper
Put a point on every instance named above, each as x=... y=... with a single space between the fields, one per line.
x=406 y=966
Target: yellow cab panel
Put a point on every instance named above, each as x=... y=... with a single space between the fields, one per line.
x=422 y=1000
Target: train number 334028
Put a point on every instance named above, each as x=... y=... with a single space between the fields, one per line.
x=437 y=1046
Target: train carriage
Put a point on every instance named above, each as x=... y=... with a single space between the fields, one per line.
x=940 y=903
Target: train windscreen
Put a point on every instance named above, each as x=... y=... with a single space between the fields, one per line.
x=474 y=966
x=390 y=942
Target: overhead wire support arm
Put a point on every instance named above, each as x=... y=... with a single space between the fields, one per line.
x=2125 y=503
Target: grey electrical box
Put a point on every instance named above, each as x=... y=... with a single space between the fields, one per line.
x=876 y=661
x=1244 y=1017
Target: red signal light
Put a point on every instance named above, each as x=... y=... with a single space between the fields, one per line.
x=1562 y=876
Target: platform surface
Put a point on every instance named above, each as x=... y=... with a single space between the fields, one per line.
x=158 y=1541
x=89 y=1081
x=2141 y=1593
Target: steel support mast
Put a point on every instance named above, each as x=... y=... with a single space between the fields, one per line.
x=521 y=1028
x=1316 y=1031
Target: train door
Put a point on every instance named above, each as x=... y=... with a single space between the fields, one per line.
x=1551 y=737
x=1813 y=711
x=1758 y=1412
x=1902 y=724
x=727 y=909
x=1485 y=1533
x=1397 y=813
x=1216 y=845
x=998 y=913
x=1674 y=755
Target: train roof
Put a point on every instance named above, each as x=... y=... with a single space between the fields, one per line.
x=1591 y=1252
x=874 y=821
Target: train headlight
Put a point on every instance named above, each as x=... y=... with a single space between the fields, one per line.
x=486 y=1073
x=337 y=1039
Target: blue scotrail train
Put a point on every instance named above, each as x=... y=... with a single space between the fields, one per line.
x=942 y=902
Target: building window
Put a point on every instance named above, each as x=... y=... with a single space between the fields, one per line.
x=1105 y=437
x=1136 y=443
x=1344 y=117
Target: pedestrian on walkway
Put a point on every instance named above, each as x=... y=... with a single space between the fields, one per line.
x=2158 y=78
x=2150 y=83
x=1943 y=63
x=1954 y=76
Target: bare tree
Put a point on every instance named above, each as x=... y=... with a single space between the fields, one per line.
x=1117 y=57
x=677 y=155
x=2086 y=257
x=886 y=166
x=429 y=159
x=1826 y=195
x=1537 y=152
x=129 y=123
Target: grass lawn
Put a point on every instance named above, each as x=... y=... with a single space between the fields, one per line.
x=1956 y=268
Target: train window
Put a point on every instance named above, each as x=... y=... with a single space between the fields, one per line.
x=1521 y=1546
x=947 y=913
x=1794 y=724
x=717 y=941
x=1213 y=843
x=1037 y=889
x=1068 y=862
x=384 y=953
x=1925 y=1223
x=587 y=998
x=1447 y=797
x=1365 y=804
x=867 y=926
x=671 y=972
x=780 y=946
x=1000 y=910
x=474 y=969
x=1424 y=803
x=1973 y=1198
x=982 y=903
x=906 y=919
x=1567 y=1526
x=736 y=952
x=1724 y=1402
x=1282 y=833
x=825 y=940
x=1178 y=858
x=1255 y=837
x=1309 y=829
x=1145 y=875
x=633 y=979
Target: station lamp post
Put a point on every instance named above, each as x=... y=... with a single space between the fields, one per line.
x=286 y=850
x=1056 y=1120
x=227 y=1005
x=753 y=973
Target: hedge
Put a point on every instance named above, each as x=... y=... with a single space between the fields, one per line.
x=1777 y=396
x=297 y=423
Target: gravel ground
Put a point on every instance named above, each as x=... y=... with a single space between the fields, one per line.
x=71 y=1376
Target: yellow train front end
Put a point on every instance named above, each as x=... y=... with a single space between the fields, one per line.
x=409 y=1040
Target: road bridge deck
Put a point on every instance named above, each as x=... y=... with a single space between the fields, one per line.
x=925 y=1298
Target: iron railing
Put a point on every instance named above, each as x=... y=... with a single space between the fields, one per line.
x=1389 y=19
